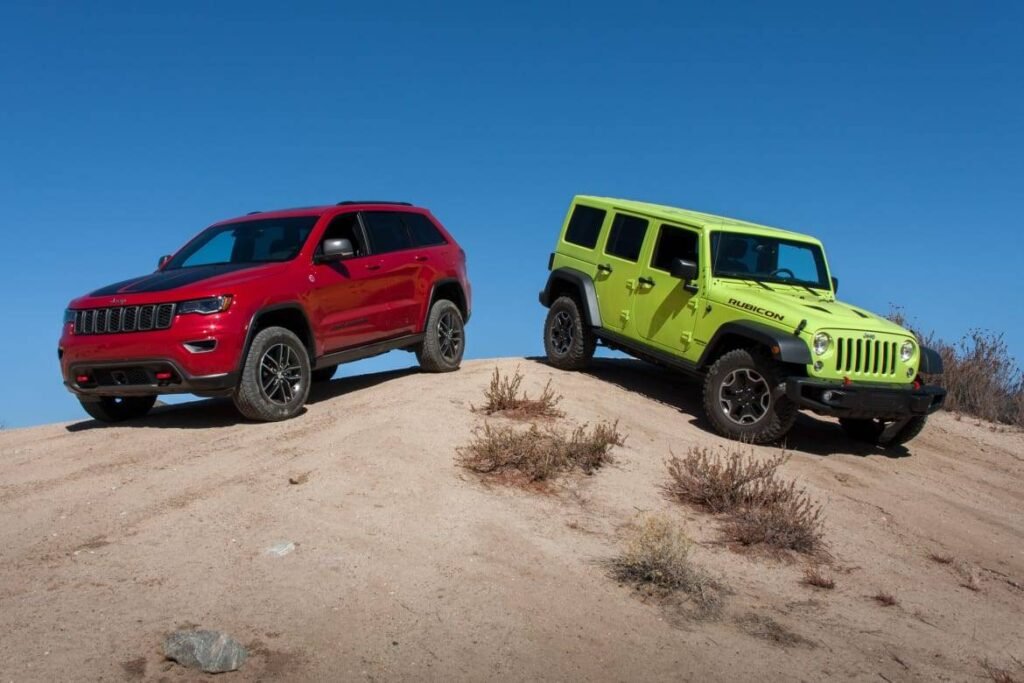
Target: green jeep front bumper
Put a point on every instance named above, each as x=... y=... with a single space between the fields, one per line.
x=864 y=400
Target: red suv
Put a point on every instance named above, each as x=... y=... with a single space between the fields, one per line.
x=257 y=307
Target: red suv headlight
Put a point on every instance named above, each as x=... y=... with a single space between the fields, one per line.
x=212 y=304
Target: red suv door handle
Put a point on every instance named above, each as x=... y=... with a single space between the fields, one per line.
x=373 y=266
x=419 y=258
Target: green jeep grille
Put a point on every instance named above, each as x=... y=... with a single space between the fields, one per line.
x=866 y=357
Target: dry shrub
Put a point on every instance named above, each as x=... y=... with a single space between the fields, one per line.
x=657 y=555
x=782 y=517
x=940 y=558
x=885 y=599
x=503 y=396
x=766 y=628
x=999 y=674
x=979 y=375
x=819 y=578
x=717 y=482
x=539 y=454
x=763 y=509
x=970 y=577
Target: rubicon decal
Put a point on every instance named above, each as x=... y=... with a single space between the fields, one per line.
x=756 y=309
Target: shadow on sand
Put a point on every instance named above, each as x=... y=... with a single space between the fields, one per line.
x=811 y=434
x=220 y=412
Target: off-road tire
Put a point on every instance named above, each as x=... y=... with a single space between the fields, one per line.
x=111 y=409
x=250 y=396
x=444 y=338
x=777 y=418
x=870 y=430
x=564 y=320
x=324 y=374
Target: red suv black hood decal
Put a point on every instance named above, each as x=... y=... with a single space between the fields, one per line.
x=171 y=279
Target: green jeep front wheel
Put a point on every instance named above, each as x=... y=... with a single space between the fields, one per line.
x=742 y=400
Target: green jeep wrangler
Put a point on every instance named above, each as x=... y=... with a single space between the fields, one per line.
x=749 y=309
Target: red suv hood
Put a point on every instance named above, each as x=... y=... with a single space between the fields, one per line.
x=176 y=285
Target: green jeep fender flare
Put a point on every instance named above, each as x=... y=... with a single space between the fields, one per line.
x=791 y=349
x=931 y=361
x=580 y=283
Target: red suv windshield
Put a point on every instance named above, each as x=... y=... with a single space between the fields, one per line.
x=263 y=240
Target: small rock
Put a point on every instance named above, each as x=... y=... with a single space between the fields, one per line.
x=210 y=651
x=280 y=549
x=297 y=479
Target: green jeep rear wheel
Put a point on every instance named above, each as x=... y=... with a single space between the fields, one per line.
x=568 y=340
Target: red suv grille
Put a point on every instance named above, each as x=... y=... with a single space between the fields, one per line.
x=124 y=319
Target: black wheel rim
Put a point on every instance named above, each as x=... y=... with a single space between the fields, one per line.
x=744 y=396
x=562 y=333
x=280 y=374
x=449 y=336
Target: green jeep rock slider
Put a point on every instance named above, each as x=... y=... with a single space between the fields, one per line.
x=750 y=309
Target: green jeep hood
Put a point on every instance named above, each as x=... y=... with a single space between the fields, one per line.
x=794 y=303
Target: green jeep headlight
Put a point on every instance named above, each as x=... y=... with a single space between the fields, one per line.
x=907 y=351
x=821 y=343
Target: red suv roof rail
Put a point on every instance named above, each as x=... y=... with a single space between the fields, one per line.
x=351 y=201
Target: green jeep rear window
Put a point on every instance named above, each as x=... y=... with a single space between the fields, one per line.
x=585 y=226
x=626 y=237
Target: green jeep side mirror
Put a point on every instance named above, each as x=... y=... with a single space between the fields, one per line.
x=835 y=285
x=683 y=269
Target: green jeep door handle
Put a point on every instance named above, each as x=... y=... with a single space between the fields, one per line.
x=646 y=281
x=604 y=267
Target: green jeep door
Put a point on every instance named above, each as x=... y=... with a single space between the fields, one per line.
x=664 y=310
x=618 y=269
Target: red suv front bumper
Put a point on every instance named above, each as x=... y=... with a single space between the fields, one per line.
x=197 y=354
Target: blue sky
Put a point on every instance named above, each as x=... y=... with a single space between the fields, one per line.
x=892 y=131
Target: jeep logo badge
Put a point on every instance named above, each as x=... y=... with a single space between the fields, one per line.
x=117 y=300
x=869 y=335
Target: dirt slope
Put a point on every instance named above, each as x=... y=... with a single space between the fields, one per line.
x=407 y=567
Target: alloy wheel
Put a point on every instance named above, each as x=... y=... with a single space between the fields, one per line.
x=280 y=374
x=449 y=336
x=744 y=396
x=562 y=333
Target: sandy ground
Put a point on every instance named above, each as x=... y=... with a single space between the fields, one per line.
x=407 y=567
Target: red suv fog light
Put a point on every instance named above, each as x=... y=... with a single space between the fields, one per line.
x=83 y=379
x=165 y=375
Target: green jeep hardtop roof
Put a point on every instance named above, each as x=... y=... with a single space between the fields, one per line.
x=693 y=218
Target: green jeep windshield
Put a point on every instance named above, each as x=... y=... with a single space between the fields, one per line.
x=768 y=259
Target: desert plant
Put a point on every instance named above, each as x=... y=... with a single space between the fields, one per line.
x=885 y=599
x=980 y=376
x=538 y=454
x=504 y=396
x=763 y=509
x=657 y=554
x=970 y=577
x=766 y=628
x=717 y=482
x=785 y=519
x=999 y=674
x=940 y=558
x=819 y=578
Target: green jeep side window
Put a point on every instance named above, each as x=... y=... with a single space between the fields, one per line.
x=626 y=237
x=585 y=226
x=673 y=243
